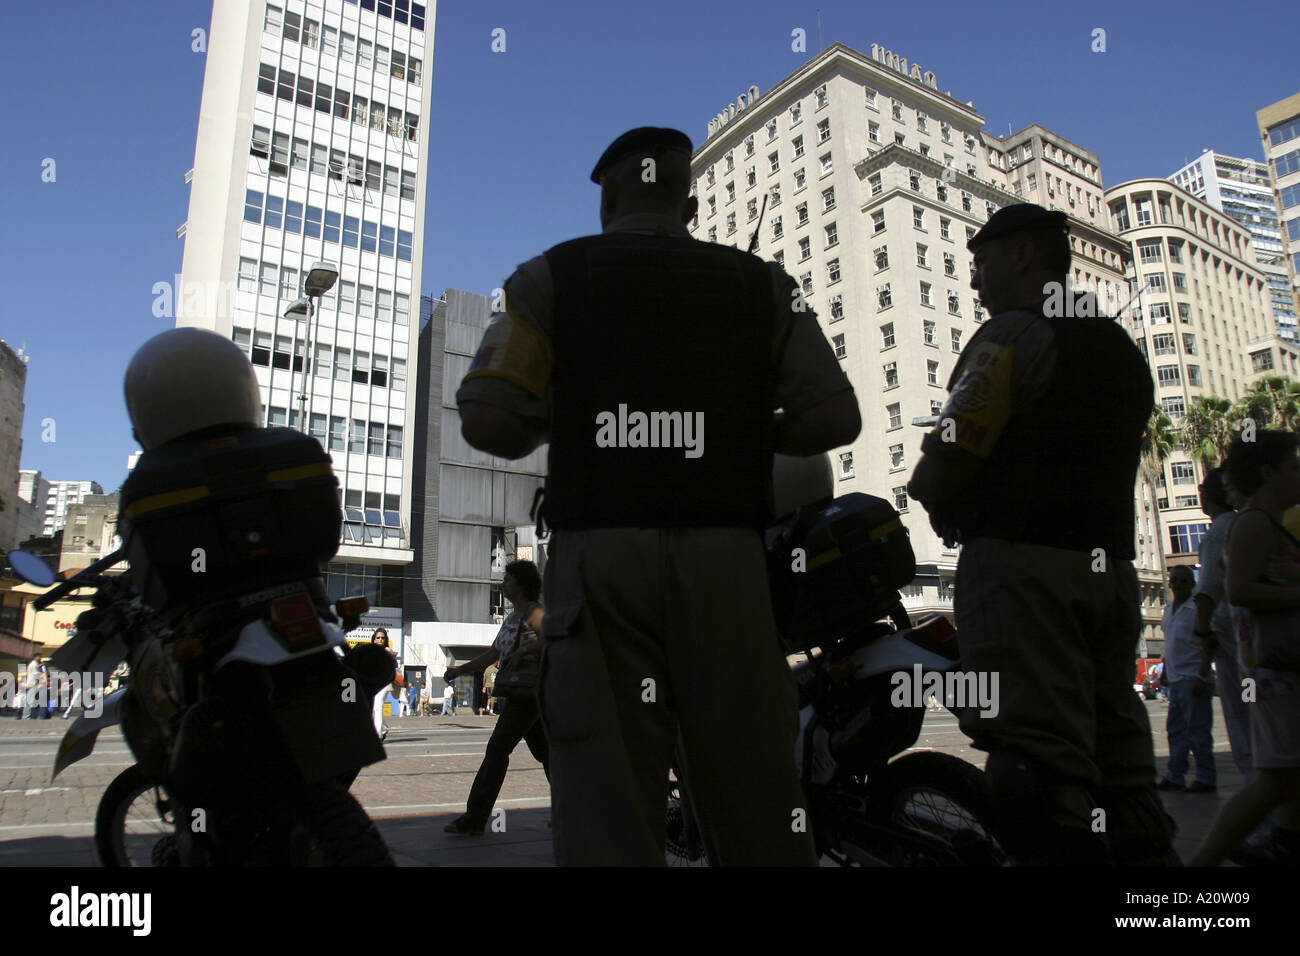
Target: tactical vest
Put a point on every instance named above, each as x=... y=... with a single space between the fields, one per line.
x=220 y=515
x=662 y=385
x=1062 y=472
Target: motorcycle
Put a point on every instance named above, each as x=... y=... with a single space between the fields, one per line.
x=247 y=722
x=866 y=805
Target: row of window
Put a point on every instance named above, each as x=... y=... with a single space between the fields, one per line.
x=327 y=39
x=1170 y=375
x=891 y=372
x=312 y=94
x=1284 y=133
x=362 y=437
x=929 y=331
x=350 y=299
x=347 y=366
x=297 y=218
x=319 y=159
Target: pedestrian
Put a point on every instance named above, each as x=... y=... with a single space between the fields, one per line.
x=1263 y=584
x=1050 y=606
x=413 y=701
x=448 y=700
x=380 y=637
x=519 y=720
x=1214 y=620
x=653 y=364
x=32 y=683
x=1191 y=716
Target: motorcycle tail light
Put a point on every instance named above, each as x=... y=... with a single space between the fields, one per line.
x=296 y=621
x=936 y=633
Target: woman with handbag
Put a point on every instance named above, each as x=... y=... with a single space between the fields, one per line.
x=518 y=648
x=1263 y=584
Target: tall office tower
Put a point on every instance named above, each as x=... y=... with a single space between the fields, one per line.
x=63 y=494
x=1204 y=324
x=312 y=147
x=471 y=508
x=1279 y=128
x=1243 y=190
x=33 y=491
x=875 y=179
x=13 y=383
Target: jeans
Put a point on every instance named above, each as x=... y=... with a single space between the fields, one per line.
x=519 y=720
x=1191 y=721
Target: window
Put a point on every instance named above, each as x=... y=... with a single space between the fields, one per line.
x=801 y=213
x=928 y=332
x=840 y=349
x=773 y=162
x=895 y=412
x=820 y=94
x=883 y=295
x=779 y=258
x=731 y=162
x=298 y=159
x=873 y=132
x=280 y=153
x=329 y=40
x=828 y=199
x=932 y=372
x=288 y=283
x=293 y=217
x=347 y=47
x=1168 y=375
x=272 y=23
x=731 y=192
x=342 y=365
x=247 y=275
x=922 y=123
x=377 y=439
x=713 y=206
x=394 y=441
x=797 y=142
x=261 y=144
x=799 y=179
x=805 y=281
x=833 y=270
x=896 y=461
x=918 y=218
x=713 y=234
x=900 y=139
x=949 y=264
x=945 y=228
x=956 y=340
x=900 y=505
x=1186 y=538
x=827 y=167
x=252 y=206
x=876 y=185
x=1189 y=343
x=925 y=294
x=965 y=201
x=392 y=182
x=897 y=111
x=320 y=156
x=331 y=233
x=367 y=302
x=923 y=255
x=1150 y=250
x=1180 y=281
x=270 y=274
x=891 y=375
x=846 y=464
x=731 y=223
x=749 y=145
x=347 y=297
x=936 y=407
x=871 y=99
x=261 y=348
x=292 y=22
x=1194 y=375
x=751 y=177
x=837 y=308
x=832 y=235
x=1156 y=281
x=887 y=336
x=954 y=303
x=751 y=209
x=771 y=130
x=915 y=180
x=399 y=65
x=823 y=130
x=311 y=35
x=305 y=91
x=365 y=53
x=1160 y=314
x=1163 y=344
x=266 y=79
x=1174 y=407
x=357 y=437
x=399 y=375
x=778 y=230
x=281 y=357
x=878 y=222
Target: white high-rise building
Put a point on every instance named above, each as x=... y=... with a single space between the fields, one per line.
x=1242 y=190
x=1279 y=130
x=60 y=496
x=311 y=148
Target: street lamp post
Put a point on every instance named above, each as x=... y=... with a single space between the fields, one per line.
x=320 y=279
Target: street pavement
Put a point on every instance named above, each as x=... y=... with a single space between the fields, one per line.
x=420 y=787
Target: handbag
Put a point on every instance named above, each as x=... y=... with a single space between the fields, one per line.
x=519 y=674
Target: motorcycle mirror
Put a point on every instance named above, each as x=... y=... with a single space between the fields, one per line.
x=31 y=568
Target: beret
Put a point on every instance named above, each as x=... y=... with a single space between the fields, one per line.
x=644 y=139
x=1016 y=218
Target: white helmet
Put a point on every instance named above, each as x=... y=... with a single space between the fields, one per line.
x=800 y=481
x=187 y=379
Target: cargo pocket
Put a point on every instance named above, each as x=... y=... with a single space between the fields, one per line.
x=572 y=673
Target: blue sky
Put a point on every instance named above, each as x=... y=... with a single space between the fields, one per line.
x=110 y=92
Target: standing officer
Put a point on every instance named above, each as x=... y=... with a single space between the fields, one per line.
x=1031 y=468
x=654 y=364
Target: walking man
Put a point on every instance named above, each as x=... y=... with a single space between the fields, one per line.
x=654 y=365
x=1046 y=602
x=1187 y=671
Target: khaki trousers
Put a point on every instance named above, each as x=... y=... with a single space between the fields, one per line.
x=652 y=634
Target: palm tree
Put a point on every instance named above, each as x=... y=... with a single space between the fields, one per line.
x=1207 y=430
x=1272 y=401
x=1157 y=444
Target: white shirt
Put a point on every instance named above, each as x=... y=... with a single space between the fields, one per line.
x=1184 y=651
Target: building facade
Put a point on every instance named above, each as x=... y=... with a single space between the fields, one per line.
x=63 y=495
x=33 y=492
x=1242 y=189
x=1279 y=129
x=1204 y=323
x=312 y=147
x=874 y=181
x=13 y=383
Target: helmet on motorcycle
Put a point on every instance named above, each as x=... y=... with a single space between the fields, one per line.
x=800 y=481
x=189 y=379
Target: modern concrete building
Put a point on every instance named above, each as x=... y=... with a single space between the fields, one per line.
x=13 y=383
x=875 y=179
x=1204 y=323
x=1242 y=189
x=1279 y=128
x=33 y=492
x=312 y=146
x=90 y=532
x=62 y=495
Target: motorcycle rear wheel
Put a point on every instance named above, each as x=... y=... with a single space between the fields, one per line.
x=130 y=829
